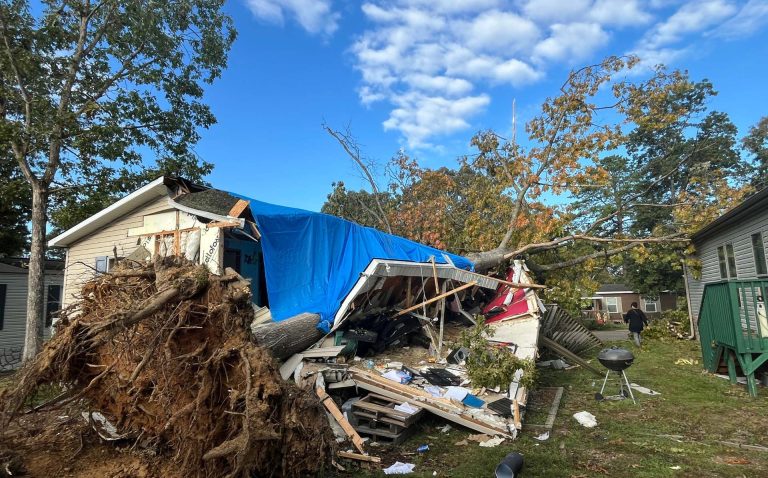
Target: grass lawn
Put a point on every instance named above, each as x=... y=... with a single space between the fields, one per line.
x=698 y=407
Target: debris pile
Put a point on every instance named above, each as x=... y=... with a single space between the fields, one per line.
x=162 y=352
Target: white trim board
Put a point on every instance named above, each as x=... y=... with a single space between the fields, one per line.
x=130 y=202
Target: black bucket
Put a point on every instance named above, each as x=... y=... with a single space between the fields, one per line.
x=510 y=466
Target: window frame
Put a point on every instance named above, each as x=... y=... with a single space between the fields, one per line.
x=617 y=305
x=726 y=258
x=655 y=304
x=758 y=249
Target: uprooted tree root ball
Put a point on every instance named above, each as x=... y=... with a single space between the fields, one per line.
x=163 y=352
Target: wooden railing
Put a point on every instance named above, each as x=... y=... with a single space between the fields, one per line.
x=732 y=315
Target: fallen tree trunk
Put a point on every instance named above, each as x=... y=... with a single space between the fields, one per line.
x=288 y=336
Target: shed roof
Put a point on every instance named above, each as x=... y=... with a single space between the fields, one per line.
x=615 y=289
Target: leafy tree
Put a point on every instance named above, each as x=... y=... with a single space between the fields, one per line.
x=633 y=164
x=756 y=143
x=87 y=87
x=356 y=206
x=14 y=210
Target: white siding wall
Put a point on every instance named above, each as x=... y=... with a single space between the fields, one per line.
x=14 y=325
x=81 y=256
x=740 y=235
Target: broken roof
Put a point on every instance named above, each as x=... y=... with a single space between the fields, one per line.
x=313 y=260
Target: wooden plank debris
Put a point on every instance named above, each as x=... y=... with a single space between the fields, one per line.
x=330 y=405
x=356 y=456
x=419 y=398
x=224 y=224
x=436 y=298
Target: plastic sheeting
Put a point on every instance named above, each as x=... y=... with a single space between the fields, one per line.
x=312 y=260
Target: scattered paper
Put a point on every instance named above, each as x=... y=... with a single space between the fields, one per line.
x=543 y=437
x=445 y=429
x=434 y=390
x=407 y=408
x=644 y=390
x=585 y=419
x=492 y=442
x=456 y=393
x=676 y=467
x=462 y=443
x=399 y=469
x=397 y=376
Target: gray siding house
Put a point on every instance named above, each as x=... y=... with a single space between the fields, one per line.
x=13 y=305
x=732 y=246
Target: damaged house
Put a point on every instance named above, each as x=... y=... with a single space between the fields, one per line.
x=382 y=310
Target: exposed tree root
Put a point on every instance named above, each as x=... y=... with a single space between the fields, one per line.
x=163 y=351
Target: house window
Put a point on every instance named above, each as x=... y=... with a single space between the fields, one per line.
x=727 y=260
x=53 y=303
x=105 y=264
x=612 y=304
x=758 y=250
x=650 y=305
x=102 y=264
x=3 y=288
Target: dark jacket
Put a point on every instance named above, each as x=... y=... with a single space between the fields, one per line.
x=636 y=319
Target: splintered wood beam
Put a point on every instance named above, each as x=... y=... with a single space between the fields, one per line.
x=238 y=208
x=223 y=224
x=436 y=298
x=331 y=406
x=355 y=456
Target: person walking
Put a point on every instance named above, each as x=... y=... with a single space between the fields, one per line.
x=637 y=320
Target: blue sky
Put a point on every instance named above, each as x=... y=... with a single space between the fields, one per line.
x=425 y=75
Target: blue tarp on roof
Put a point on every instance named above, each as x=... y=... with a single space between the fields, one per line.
x=312 y=260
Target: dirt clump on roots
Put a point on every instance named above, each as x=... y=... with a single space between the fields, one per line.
x=163 y=352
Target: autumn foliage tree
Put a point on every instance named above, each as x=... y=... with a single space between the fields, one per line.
x=608 y=167
x=88 y=87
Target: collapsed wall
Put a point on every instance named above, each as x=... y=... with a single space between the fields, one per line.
x=163 y=352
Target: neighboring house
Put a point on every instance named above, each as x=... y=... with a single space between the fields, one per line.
x=13 y=305
x=731 y=247
x=727 y=296
x=614 y=300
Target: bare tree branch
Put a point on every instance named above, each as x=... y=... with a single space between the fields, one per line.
x=353 y=151
x=561 y=241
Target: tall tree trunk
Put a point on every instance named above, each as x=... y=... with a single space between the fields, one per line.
x=35 y=286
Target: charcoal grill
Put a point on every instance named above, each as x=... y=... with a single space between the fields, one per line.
x=616 y=360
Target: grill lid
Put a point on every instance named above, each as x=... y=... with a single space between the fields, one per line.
x=616 y=358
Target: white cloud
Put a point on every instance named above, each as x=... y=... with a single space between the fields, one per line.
x=571 y=42
x=418 y=116
x=752 y=17
x=434 y=61
x=495 y=30
x=556 y=11
x=624 y=12
x=691 y=17
x=315 y=16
